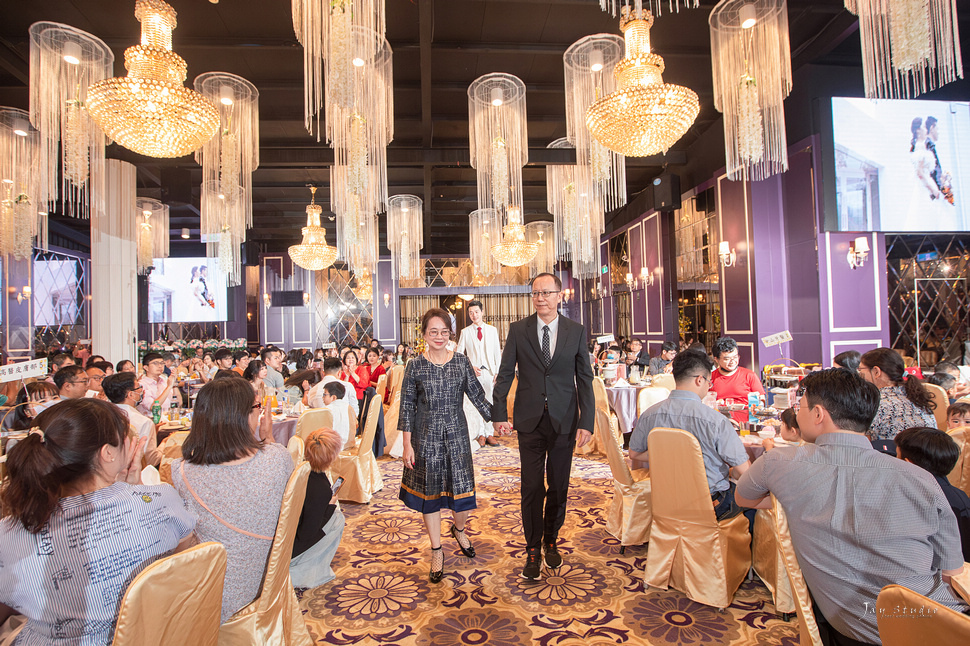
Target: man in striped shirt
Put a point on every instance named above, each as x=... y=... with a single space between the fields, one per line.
x=859 y=519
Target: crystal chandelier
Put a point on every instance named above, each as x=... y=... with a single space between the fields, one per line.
x=21 y=218
x=313 y=253
x=498 y=139
x=364 y=291
x=64 y=61
x=152 y=239
x=908 y=46
x=228 y=161
x=751 y=61
x=484 y=230
x=405 y=235
x=514 y=250
x=150 y=111
x=654 y=5
x=645 y=116
x=573 y=211
x=541 y=233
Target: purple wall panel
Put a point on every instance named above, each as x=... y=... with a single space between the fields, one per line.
x=770 y=261
x=736 y=281
x=387 y=319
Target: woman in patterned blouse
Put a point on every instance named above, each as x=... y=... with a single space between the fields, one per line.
x=903 y=401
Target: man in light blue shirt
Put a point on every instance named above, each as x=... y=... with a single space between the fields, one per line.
x=721 y=446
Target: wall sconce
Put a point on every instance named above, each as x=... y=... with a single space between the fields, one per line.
x=249 y=316
x=644 y=280
x=266 y=300
x=726 y=254
x=24 y=294
x=306 y=299
x=567 y=294
x=387 y=300
x=858 y=252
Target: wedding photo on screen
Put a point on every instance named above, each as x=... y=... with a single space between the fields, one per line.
x=186 y=290
x=902 y=165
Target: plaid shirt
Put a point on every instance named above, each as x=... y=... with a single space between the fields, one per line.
x=859 y=521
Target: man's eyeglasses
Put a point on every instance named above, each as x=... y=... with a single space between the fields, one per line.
x=98 y=378
x=545 y=294
x=156 y=363
x=706 y=378
x=78 y=381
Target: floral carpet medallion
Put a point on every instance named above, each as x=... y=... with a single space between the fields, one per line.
x=381 y=594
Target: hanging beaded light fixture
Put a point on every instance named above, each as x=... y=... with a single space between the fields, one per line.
x=64 y=61
x=542 y=233
x=655 y=5
x=150 y=111
x=20 y=216
x=405 y=235
x=484 y=230
x=573 y=211
x=313 y=253
x=153 y=235
x=645 y=116
x=514 y=250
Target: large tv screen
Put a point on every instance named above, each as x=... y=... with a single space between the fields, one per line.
x=186 y=290
x=902 y=165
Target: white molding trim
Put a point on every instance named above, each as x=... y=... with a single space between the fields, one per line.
x=656 y=222
x=875 y=280
x=642 y=292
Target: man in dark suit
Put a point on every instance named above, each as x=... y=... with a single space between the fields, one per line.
x=554 y=411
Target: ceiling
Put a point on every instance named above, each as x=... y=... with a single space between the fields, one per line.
x=439 y=48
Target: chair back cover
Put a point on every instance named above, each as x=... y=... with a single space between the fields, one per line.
x=938 y=395
x=274 y=617
x=358 y=466
x=629 y=517
x=175 y=600
x=296 y=448
x=689 y=550
x=614 y=454
x=510 y=400
x=381 y=386
x=313 y=419
x=599 y=394
x=960 y=476
x=391 y=417
x=907 y=618
x=663 y=380
x=171 y=446
x=394 y=379
x=647 y=397
x=797 y=588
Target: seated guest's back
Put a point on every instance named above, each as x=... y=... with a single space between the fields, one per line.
x=321 y=523
x=903 y=400
x=234 y=483
x=720 y=445
x=78 y=525
x=333 y=400
x=859 y=519
x=935 y=451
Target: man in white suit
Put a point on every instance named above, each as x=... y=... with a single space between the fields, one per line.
x=479 y=342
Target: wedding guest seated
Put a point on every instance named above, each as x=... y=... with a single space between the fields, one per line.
x=103 y=366
x=962 y=387
x=731 y=381
x=958 y=415
x=720 y=444
x=78 y=524
x=944 y=381
x=222 y=360
x=125 y=365
x=661 y=364
x=788 y=430
x=331 y=368
x=71 y=382
x=848 y=360
x=321 y=523
x=859 y=519
x=304 y=380
x=903 y=401
x=95 y=377
x=124 y=392
x=234 y=482
x=241 y=359
x=58 y=361
x=255 y=374
x=32 y=399
x=333 y=400
x=158 y=388
x=935 y=451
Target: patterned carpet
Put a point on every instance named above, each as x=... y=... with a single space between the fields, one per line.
x=382 y=595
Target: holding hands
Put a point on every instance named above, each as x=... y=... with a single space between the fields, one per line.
x=503 y=428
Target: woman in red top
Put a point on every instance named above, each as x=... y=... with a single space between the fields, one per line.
x=374 y=365
x=351 y=373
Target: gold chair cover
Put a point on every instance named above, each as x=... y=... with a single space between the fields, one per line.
x=296 y=448
x=689 y=550
x=381 y=387
x=171 y=450
x=358 y=466
x=394 y=379
x=802 y=599
x=907 y=618
x=510 y=400
x=629 y=516
x=274 y=617
x=664 y=380
x=769 y=562
x=313 y=419
x=647 y=397
x=961 y=583
x=391 y=417
x=175 y=600
x=599 y=394
x=942 y=400
x=960 y=476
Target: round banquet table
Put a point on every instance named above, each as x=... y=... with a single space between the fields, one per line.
x=623 y=402
x=284 y=429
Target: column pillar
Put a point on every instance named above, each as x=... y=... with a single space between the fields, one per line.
x=114 y=286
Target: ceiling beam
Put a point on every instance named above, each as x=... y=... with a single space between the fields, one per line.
x=13 y=62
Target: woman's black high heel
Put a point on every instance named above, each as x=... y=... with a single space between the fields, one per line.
x=435 y=576
x=467 y=551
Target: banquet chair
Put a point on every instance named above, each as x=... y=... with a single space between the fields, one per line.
x=510 y=400
x=188 y=586
x=647 y=397
x=599 y=394
x=381 y=387
x=690 y=550
x=171 y=450
x=311 y=420
x=959 y=477
x=352 y=417
x=274 y=617
x=797 y=589
x=942 y=400
x=296 y=448
x=907 y=618
x=629 y=517
x=395 y=377
x=358 y=466
x=664 y=380
x=394 y=441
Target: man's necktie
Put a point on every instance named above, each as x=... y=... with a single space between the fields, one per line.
x=546 y=355
x=479 y=334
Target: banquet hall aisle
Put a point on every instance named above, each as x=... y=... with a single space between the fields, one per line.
x=382 y=594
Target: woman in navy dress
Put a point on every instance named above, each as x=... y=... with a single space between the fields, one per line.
x=438 y=469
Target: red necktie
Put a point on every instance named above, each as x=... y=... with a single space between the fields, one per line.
x=479 y=334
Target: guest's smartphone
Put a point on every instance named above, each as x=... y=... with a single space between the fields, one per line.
x=336 y=485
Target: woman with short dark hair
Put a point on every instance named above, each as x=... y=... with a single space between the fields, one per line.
x=78 y=524
x=234 y=482
x=903 y=400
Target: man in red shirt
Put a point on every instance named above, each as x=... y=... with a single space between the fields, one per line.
x=731 y=382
